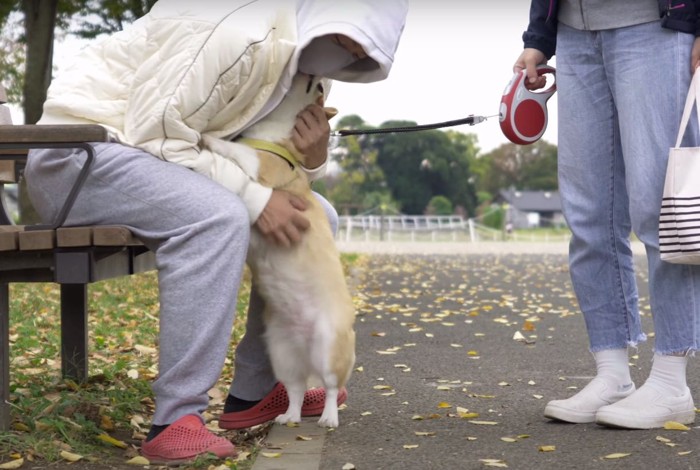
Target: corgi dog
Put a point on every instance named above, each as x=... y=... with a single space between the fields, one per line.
x=309 y=313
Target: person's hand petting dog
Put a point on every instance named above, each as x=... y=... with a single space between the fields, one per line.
x=282 y=221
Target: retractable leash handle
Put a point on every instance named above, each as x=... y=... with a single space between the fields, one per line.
x=523 y=113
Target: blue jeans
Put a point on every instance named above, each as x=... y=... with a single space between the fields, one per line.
x=621 y=96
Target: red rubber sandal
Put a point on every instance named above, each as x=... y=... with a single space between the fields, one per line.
x=185 y=440
x=274 y=404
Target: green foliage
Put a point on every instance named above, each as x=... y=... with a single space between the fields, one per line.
x=531 y=167
x=51 y=414
x=440 y=205
x=484 y=197
x=359 y=174
x=421 y=165
x=494 y=218
x=108 y=16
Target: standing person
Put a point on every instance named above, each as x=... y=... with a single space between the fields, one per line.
x=623 y=72
x=184 y=71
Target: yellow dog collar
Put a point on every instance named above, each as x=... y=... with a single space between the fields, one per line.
x=271 y=147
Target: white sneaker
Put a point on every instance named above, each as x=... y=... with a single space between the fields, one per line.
x=582 y=407
x=648 y=408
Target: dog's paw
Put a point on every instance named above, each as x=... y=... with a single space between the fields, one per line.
x=328 y=421
x=287 y=418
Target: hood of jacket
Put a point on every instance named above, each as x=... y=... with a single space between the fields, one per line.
x=375 y=25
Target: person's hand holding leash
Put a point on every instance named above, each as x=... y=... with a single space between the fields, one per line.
x=529 y=60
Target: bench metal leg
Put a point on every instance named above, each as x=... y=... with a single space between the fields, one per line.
x=74 y=331
x=4 y=356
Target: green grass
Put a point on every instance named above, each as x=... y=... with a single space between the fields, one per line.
x=51 y=415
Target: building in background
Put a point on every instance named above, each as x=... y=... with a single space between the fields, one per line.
x=531 y=209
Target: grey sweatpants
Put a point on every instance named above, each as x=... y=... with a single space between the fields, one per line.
x=199 y=232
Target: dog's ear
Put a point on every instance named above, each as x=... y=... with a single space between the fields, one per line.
x=330 y=112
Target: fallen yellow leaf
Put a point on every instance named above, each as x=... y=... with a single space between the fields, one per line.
x=685 y=452
x=112 y=441
x=303 y=438
x=106 y=423
x=382 y=387
x=242 y=456
x=617 y=455
x=271 y=455
x=419 y=433
x=494 y=463
x=12 y=464
x=675 y=426
x=70 y=456
x=486 y=423
x=443 y=404
x=410 y=446
x=138 y=461
x=508 y=439
x=547 y=448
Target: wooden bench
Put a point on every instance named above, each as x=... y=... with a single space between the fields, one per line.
x=70 y=256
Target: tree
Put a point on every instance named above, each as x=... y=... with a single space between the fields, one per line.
x=39 y=25
x=421 y=165
x=531 y=167
x=359 y=174
x=439 y=205
x=41 y=19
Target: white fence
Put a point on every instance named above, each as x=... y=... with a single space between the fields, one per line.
x=398 y=228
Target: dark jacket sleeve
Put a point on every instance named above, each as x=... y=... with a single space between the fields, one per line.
x=541 y=32
x=681 y=16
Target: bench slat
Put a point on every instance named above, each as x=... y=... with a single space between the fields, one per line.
x=70 y=237
x=105 y=235
x=64 y=133
x=37 y=240
x=14 y=238
x=9 y=241
x=7 y=172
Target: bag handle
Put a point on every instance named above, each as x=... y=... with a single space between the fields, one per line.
x=689 y=102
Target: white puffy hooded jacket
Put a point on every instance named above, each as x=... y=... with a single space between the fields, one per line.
x=213 y=67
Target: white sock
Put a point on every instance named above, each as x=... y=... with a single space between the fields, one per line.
x=668 y=372
x=612 y=365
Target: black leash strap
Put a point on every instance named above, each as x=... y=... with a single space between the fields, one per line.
x=471 y=120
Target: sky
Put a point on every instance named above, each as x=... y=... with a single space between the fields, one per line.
x=455 y=58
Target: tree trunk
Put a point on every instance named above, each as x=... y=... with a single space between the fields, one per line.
x=40 y=19
x=39 y=22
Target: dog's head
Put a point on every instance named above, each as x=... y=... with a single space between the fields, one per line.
x=277 y=126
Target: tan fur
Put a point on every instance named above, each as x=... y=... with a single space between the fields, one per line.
x=309 y=312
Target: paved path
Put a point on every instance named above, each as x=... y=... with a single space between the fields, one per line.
x=442 y=383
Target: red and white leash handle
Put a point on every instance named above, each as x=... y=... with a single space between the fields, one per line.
x=523 y=113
